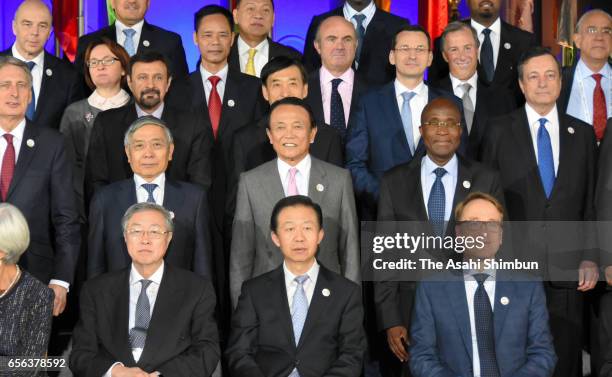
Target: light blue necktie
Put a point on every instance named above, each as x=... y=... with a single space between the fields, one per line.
x=129 y=41
x=546 y=163
x=485 y=331
x=300 y=311
x=142 y=317
x=150 y=187
x=437 y=202
x=32 y=105
x=359 y=18
x=407 y=119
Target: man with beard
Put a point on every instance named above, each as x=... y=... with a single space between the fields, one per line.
x=148 y=79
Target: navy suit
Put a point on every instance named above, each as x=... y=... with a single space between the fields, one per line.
x=442 y=341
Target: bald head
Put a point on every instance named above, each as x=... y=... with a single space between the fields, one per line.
x=336 y=42
x=31 y=26
x=441 y=129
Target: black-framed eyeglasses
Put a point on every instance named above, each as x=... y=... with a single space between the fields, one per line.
x=93 y=63
x=153 y=234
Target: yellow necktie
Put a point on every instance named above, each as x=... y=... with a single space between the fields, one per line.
x=250 y=66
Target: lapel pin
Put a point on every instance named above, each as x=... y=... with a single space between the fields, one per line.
x=171 y=214
x=30 y=143
x=320 y=187
x=49 y=72
x=507 y=46
x=570 y=130
x=89 y=117
x=231 y=103
x=325 y=292
x=504 y=300
x=146 y=43
x=467 y=184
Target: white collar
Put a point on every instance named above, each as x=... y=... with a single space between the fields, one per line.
x=103 y=103
x=136 y=277
x=243 y=47
x=583 y=71
x=450 y=166
x=368 y=11
x=303 y=166
x=495 y=27
x=419 y=89
x=17 y=132
x=137 y=27
x=160 y=180
x=221 y=74
x=473 y=81
x=312 y=273
x=157 y=113
x=39 y=60
x=533 y=116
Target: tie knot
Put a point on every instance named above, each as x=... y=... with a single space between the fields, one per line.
x=292 y=172
x=150 y=187
x=542 y=122
x=359 y=18
x=145 y=284
x=32 y=64
x=408 y=96
x=300 y=280
x=214 y=80
x=596 y=76
x=336 y=83
x=466 y=87
x=252 y=52
x=480 y=278
x=9 y=138
x=486 y=32
x=129 y=32
x=439 y=172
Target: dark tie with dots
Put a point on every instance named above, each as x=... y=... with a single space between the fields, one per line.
x=32 y=105
x=485 y=331
x=486 y=55
x=336 y=118
x=150 y=187
x=359 y=18
x=437 y=202
x=142 y=317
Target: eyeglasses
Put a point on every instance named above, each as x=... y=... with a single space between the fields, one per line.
x=152 y=234
x=596 y=30
x=443 y=125
x=140 y=146
x=478 y=226
x=419 y=50
x=93 y=63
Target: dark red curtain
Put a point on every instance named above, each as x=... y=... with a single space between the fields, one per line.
x=433 y=16
x=66 y=25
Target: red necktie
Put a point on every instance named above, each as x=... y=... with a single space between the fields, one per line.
x=214 y=105
x=8 y=166
x=599 y=108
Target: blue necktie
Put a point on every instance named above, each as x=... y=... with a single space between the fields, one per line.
x=485 y=330
x=142 y=317
x=129 y=41
x=150 y=187
x=486 y=55
x=546 y=163
x=437 y=202
x=407 y=119
x=32 y=105
x=336 y=118
x=359 y=18
x=300 y=308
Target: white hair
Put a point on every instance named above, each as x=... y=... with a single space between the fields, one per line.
x=14 y=233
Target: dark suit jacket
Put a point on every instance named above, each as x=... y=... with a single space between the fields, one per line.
x=107 y=162
x=190 y=245
x=161 y=40
x=606 y=328
x=262 y=342
x=59 y=88
x=506 y=74
x=567 y=81
x=603 y=199
x=490 y=102
x=401 y=199
x=182 y=338
x=374 y=67
x=41 y=189
x=275 y=49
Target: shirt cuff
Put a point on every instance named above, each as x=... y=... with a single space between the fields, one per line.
x=61 y=283
x=108 y=372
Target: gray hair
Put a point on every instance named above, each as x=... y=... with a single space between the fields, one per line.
x=588 y=13
x=147 y=120
x=146 y=206
x=9 y=60
x=458 y=26
x=14 y=233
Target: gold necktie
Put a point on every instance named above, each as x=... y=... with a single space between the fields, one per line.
x=250 y=66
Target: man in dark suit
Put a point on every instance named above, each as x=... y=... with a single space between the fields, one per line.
x=55 y=82
x=501 y=46
x=481 y=321
x=546 y=160
x=35 y=177
x=149 y=79
x=334 y=89
x=375 y=30
x=300 y=318
x=384 y=131
x=407 y=193
x=136 y=35
x=149 y=149
x=459 y=45
x=253 y=47
x=151 y=318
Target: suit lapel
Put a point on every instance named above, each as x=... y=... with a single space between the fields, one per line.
x=317 y=183
x=234 y=56
x=198 y=97
x=119 y=315
x=359 y=87
x=375 y=29
x=278 y=292
x=270 y=182
x=565 y=149
x=504 y=287
x=318 y=304
x=464 y=174
x=414 y=191
x=173 y=197
x=504 y=56
x=25 y=155
x=524 y=145
x=46 y=84
x=458 y=302
x=392 y=117
x=316 y=99
x=232 y=92
x=145 y=42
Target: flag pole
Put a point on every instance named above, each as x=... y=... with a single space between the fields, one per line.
x=81 y=19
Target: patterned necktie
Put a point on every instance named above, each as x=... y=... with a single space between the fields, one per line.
x=142 y=316
x=299 y=307
x=407 y=119
x=129 y=41
x=468 y=105
x=32 y=105
x=214 y=105
x=546 y=163
x=437 y=202
x=250 y=65
x=150 y=187
x=8 y=166
x=292 y=184
x=486 y=56
x=336 y=118
x=600 y=113
x=485 y=331
x=359 y=18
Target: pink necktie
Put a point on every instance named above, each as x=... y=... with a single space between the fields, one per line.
x=292 y=186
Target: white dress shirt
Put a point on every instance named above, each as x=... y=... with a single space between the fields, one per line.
x=368 y=11
x=158 y=194
x=552 y=126
x=301 y=177
x=96 y=100
x=157 y=113
x=222 y=74
x=261 y=56
x=449 y=180
x=458 y=89
x=37 y=70
x=580 y=103
x=417 y=104
x=309 y=284
x=345 y=89
x=120 y=27
x=470 y=290
x=495 y=37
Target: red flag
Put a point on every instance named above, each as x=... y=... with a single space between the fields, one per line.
x=433 y=16
x=384 y=5
x=66 y=25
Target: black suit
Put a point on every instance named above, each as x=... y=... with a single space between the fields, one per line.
x=374 y=67
x=490 y=102
x=41 y=189
x=274 y=49
x=107 y=162
x=518 y=41
x=567 y=81
x=603 y=196
x=182 y=338
x=332 y=342
x=60 y=86
x=190 y=245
